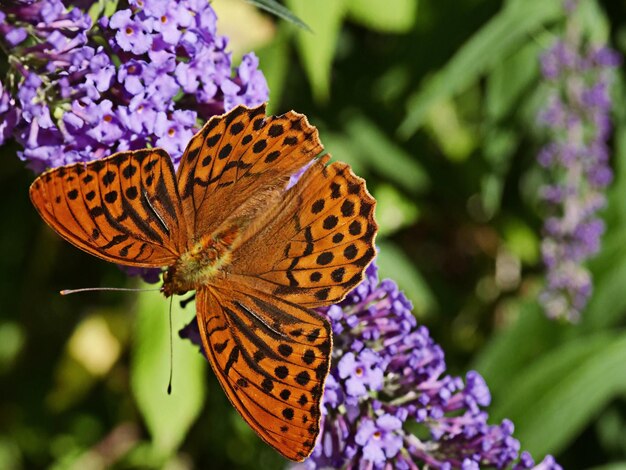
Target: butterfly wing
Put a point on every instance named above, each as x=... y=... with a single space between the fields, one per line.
x=272 y=358
x=315 y=244
x=238 y=157
x=124 y=208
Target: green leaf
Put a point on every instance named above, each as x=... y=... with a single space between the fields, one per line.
x=102 y=8
x=611 y=466
x=384 y=155
x=275 y=65
x=608 y=303
x=398 y=16
x=610 y=429
x=275 y=8
x=167 y=417
x=110 y=7
x=392 y=85
x=317 y=50
x=510 y=78
x=521 y=240
x=393 y=263
x=343 y=149
x=453 y=136
x=616 y=211
x=393 y=210
x=593 y=22
x=504 y=34
x=513 y=347
x=499 y=148
x=552 y=399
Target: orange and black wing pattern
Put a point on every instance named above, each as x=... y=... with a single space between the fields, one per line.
x=271 y=357
x=124 y=208
x=317 y=243
x=240 y=157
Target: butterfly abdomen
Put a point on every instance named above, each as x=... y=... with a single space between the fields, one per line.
x=204 y=261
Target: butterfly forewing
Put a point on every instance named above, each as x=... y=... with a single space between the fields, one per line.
x=124 y=208
x=317 y=241
x=240 y=157
x=272 y=358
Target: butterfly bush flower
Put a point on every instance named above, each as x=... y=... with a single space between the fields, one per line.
x=9 y=114
x=577 y=117
x=388 y=375
x=150 y=75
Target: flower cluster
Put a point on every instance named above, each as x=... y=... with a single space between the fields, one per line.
x=388 y=376
x=147 y=76
x=577 y=116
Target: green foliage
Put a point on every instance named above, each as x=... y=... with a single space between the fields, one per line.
x=393 y=264
x=275 y=60
x=382 y=155
x=398 y=16
x=500 y=37
x=552 y=399
x=168 y=417
x=394 y=211
x=102 y=8
x=317 y=49
x=280 y=11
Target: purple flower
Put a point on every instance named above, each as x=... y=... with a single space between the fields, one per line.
x=576 y=160
x=386 y=372
x=362 y=374
x=101 y=70
x=16 y=36
x=174 y=132
x=249 y=86
x=150 y=275
x=206 y=72
x=381 y=439
x=34 y=108
x=526 y=461
x=9 y=114
x=132 y=34
x=172 y=22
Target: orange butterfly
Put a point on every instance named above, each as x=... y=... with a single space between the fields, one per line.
x=258 y=255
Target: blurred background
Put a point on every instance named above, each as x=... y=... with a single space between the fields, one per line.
x=435 y=103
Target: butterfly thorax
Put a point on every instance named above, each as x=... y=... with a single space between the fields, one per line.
x=204 y=261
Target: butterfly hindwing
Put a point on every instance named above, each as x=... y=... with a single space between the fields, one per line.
x=317 y=242
x=238 y=157
x=272 y=358
x=124 y=208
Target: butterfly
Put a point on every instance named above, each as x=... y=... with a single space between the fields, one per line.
x=258 y=252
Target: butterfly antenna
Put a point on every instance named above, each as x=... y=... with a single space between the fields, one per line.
x=93 y=289
x=169 y=386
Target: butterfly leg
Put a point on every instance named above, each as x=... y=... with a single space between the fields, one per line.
x=185 y=302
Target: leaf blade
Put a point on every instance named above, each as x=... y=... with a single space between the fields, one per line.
x=318 y=50
x=168 y=417
x=275 y=8
x=501 y=36
x=398 y=16
x=552 y=400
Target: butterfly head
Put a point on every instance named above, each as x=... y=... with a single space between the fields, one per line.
x=172 y=283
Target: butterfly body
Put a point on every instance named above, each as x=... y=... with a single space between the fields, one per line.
x=205 y=261
x=259 y=253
